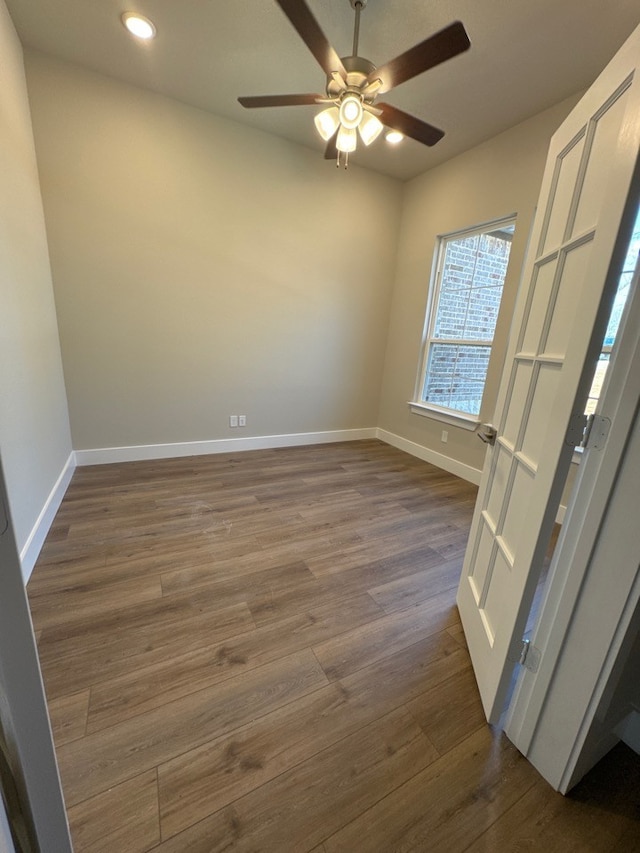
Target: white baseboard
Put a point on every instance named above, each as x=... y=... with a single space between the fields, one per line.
x=137 y=453
x=141 y=452
x=31 y=548
x=466 y=472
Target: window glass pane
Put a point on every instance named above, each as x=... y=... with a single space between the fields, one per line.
x=482 y=313
x=452 y=313
x=493 y=257
x=466 y=305
x=440 y=369
x=456 y=375
x=468 y=380
x=459 y=263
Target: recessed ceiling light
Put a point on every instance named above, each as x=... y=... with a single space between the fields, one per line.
x=394 y=136
x=139 y=26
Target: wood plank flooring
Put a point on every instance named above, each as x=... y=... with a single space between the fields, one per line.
x=261 y=652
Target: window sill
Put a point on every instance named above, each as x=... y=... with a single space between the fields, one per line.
x=425 y=410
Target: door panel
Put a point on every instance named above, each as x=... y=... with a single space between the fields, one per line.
x=564 y=180
x=562 y=310
x=569 y=280
x=603 y=137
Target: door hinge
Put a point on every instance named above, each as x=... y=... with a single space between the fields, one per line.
x=587 y=431
x=529 y=656
x=578 y=423
x=595 y=432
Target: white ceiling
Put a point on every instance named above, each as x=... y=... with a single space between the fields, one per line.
x=525 y=56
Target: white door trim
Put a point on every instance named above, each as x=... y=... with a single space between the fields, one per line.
x=23 y=709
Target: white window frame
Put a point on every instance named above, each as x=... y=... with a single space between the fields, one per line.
x=419 y=406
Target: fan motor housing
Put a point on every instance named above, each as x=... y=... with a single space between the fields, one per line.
x=358 y=70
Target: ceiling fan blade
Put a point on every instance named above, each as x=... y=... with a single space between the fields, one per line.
x=445 y=44
x=309 y=31
x=409 y=125
x=331 y=152
x=281 y=100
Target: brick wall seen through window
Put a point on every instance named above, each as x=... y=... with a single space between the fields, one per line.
x=465 y=302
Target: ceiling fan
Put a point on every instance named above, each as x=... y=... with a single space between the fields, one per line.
x=354 y=83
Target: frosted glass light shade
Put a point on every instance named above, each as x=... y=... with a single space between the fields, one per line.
x=327 y=122
x=370 y=128
x=347 y=139
x=351 y=112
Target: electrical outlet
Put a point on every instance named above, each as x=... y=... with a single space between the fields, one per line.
x=233 y=420
x=445 y=436
x=242 y=420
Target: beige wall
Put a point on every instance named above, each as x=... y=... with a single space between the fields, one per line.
x=34 y=429
x=203 y=269
x=496 y=179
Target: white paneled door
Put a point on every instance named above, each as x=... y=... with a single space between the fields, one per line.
x=585 y=212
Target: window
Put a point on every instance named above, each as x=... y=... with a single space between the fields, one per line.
x=624 y=286
x=464 y=302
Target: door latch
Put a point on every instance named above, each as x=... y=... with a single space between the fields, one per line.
x=487 y=433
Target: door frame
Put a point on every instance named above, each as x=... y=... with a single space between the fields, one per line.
x=23 y=710
x=545 y=720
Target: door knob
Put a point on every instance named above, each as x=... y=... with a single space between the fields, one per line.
x=487 y=433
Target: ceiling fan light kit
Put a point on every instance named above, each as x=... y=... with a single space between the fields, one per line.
x=353 y=84
x=351 y=111
x=327 y=122
x=347 y=139
x=370 y=128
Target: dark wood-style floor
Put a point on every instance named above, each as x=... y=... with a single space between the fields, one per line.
x=261 y=652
